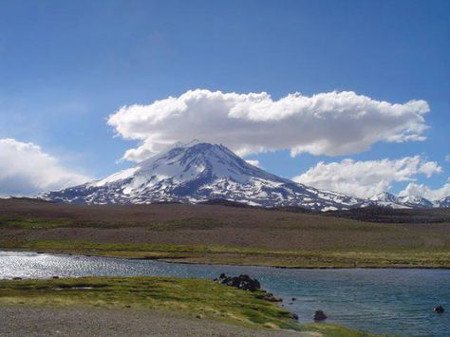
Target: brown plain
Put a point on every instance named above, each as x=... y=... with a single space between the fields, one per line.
x=266 y=233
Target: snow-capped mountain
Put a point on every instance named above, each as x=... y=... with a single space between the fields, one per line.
x=199 y=172
x=444 y=202
x=384 y=197
x=387 y=199
x=412 y=201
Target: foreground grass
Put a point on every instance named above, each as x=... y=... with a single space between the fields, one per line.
x=196 y=298
x=235 y=255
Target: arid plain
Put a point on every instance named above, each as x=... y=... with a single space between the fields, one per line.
x=231 y=234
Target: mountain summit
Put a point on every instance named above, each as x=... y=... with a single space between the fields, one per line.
x=198 y=172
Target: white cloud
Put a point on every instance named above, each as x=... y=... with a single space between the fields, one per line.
x=334 y=123
x=254 y=162
x=447 y=158
x=366 y=178
x=420 y=190
x=428 y=168
x=26 y=170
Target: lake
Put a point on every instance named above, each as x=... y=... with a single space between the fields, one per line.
x=385 y=301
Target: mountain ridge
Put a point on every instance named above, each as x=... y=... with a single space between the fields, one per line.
x=387 y=199
x=198 y=172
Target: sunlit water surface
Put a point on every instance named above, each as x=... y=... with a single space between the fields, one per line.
x=389 y=301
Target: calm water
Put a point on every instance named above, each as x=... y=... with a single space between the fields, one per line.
x=389 y=301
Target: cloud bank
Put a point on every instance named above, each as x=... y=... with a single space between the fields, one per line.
x=421 y=190
x=333 y=123
x=26 y=170
x=365 y=179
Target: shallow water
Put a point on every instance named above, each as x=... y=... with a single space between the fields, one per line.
x=389 y=301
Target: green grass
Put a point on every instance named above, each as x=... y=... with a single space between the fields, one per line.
x=236 y=255
x=193 y=297
x=33 y=223
x=333 y=330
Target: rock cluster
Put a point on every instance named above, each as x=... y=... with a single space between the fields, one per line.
x=243 y=282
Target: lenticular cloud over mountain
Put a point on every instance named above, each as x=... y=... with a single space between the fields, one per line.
x=333 y=123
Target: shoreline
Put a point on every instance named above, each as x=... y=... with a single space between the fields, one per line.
x=184 y=273
x=199 y=300
x=285 y=267
x=176 y=260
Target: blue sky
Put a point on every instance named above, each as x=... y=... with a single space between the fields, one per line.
x=66 y=66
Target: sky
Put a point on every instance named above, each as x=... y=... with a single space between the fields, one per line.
x=351 y=96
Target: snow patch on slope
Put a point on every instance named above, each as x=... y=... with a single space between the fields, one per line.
x=199 y=172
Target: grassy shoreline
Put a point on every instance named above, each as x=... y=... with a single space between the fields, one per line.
x=244 y=256
x=194 y=297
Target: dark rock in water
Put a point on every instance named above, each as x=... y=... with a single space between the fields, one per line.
x=439 y=309
x=243 y=282
x=319 y=315
x=294 y=299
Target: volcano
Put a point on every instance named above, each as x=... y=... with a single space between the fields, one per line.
x=198 y=172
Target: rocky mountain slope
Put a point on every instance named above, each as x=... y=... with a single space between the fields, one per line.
x=198 y=172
